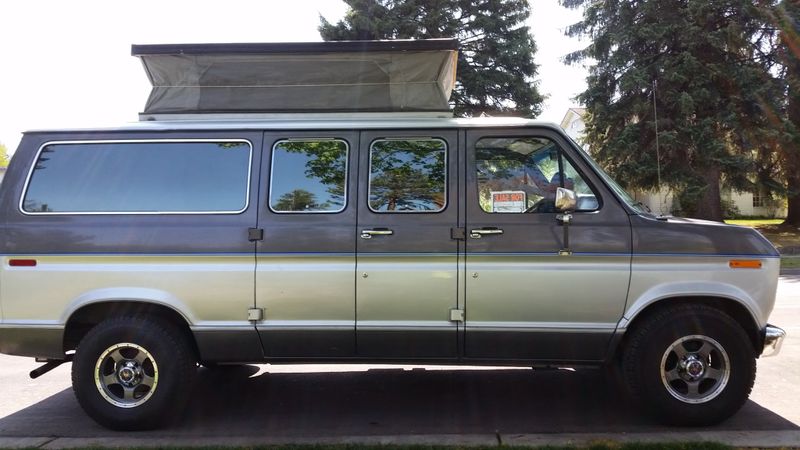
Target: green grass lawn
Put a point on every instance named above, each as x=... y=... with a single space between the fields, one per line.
x=785 y=237
x=754 y=223
x=781 y=236
x=790 y=262
x=689 y=445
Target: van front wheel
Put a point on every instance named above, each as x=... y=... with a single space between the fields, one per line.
x=689 y=365
x=133 y=373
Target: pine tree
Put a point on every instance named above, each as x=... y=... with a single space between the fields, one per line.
x=700 y=60
x=787 y=18
x=496 y=71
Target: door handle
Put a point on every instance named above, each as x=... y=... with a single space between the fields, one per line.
x=479 y=232
x=367 y=234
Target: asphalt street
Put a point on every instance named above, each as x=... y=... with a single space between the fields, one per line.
x=345 y=403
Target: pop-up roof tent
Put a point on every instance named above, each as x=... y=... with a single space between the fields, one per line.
x=343 y=76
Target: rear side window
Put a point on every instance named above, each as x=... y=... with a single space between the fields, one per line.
x=407 y=175
x=140 y=177
x=308 y=176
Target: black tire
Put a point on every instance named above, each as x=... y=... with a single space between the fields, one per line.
x=650 y=364
x=168 y=365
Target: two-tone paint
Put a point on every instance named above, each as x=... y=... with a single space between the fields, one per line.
x=427 y=292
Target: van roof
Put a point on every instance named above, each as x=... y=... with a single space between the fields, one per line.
x=316 y=122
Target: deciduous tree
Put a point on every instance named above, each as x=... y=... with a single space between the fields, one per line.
x=3 y=155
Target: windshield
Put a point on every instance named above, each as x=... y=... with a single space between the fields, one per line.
x=638 y=206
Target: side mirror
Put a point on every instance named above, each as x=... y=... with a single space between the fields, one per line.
x=566 y=201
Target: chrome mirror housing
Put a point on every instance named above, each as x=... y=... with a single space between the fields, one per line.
x=566 y=199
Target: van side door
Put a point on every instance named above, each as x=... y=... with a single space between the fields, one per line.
x=406 y=284
x=529 y=295
x=305 y=264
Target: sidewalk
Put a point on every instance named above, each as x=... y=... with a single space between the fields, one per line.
x=739 y=439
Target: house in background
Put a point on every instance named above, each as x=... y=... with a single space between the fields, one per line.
x=661 y=202
x=574 y=126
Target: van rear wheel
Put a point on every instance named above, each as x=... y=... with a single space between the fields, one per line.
x=133 y=373
x=689 y=365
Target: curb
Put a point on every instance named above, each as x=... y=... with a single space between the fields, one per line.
x=761 y=439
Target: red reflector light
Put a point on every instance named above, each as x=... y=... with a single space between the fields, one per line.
x=22 y=263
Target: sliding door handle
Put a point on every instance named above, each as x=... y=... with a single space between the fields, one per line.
x=367 y=234
x=477 y=233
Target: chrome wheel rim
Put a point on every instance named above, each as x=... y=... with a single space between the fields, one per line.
x=126 y=375
x=695 y=369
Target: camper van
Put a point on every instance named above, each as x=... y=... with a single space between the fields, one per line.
x=318 y=203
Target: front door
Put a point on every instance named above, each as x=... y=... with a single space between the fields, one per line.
x=406 y=275
x=529 y=294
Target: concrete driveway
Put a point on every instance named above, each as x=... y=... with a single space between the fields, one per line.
x=340 y=403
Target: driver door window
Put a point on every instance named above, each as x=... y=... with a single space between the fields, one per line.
x=521 y=175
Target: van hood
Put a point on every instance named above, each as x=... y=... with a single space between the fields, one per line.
x=677 y=235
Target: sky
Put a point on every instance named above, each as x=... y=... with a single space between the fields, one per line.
x=67 y=64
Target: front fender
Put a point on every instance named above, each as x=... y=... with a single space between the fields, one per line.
x=657 y=278
x=665 y=291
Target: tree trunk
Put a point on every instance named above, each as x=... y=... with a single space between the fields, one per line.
x=793 y=212
x=710 y=205
x=791 y=159
x=791 y=152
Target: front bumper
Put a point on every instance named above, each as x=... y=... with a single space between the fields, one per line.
x=773 y=339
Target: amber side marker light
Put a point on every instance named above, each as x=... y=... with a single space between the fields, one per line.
x=22 y=262
x=745 y=264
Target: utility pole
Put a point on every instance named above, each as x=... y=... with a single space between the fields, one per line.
x=662 y=201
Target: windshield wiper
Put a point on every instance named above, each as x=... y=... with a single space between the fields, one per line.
x=642 y=205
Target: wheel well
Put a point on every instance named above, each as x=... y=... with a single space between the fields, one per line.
x=85 y=318
x=734 y=309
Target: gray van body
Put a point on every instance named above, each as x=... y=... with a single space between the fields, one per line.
x=260 y=285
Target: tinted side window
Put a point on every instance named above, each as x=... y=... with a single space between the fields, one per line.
x=140 y=177
x=521 y=174
x=407 y=175
x=308 y=176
